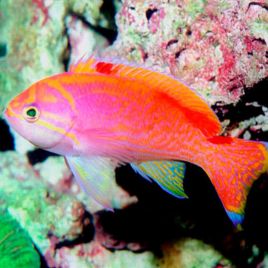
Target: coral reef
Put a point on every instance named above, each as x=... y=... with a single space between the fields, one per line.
x=43 y=212
x=16 y=248
x=218 y=47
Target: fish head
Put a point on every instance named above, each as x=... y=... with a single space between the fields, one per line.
x=44 y=114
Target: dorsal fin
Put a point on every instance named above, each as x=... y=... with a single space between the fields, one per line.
x=194 y=107
x=82 y=66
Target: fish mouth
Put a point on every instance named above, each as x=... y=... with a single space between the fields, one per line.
x=8 y=113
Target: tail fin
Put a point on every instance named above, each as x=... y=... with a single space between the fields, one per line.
x=233 y=165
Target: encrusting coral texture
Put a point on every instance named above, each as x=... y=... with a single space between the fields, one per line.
x=218 y=47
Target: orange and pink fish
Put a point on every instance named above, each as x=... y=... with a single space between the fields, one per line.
x=102 y=114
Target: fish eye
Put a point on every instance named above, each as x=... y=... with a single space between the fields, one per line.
x=31 y=114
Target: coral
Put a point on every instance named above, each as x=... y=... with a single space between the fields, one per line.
x=54 y=172
x=16 y=248
x=94 y=255
x=79 y=36
x=44 y=213
x=191 y=253
x=218 y=47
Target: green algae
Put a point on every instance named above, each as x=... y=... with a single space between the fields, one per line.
x=224 y=5
x=16 y=248
x=195 y=7
x=259 y=29
x=171 y=25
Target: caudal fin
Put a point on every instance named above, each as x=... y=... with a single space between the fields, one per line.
x=233 y=165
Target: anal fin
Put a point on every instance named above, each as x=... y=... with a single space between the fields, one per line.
x=168 y=175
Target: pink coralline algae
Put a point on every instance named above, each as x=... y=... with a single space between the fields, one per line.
x=217 y=47
x=41 y=6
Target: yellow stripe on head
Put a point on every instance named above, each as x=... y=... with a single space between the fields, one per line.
x=31 y=95
x=58 y=130
x=64 y=93
x=27 y=96
x=10 y=113
x=49 y=98
x=54 y=116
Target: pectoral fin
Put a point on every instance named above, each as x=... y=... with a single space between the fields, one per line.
x=96 y=176
x=168 y=174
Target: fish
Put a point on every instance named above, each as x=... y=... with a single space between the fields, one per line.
x=101 y=114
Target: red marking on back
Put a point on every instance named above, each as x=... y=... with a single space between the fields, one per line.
x=198 y=119
x=221 y=140
x=201 y=121
x=104 y=67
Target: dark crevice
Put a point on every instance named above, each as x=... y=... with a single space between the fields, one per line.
x=6 y=138
x=3 y=50
x=109 y=34
x=109 y=11
x=260 y=40
x=86 y=236
x=38 y=156
x=188 y=32
x=256 y=220
x=257 y=93
x=236 y=113
x=150 y=12
x=178 y=53
x=244 y=109
x=42 y=258
x=67 y=51
x=171 y=42
x=263 y=5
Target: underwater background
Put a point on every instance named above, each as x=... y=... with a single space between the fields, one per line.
x=219 y=47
